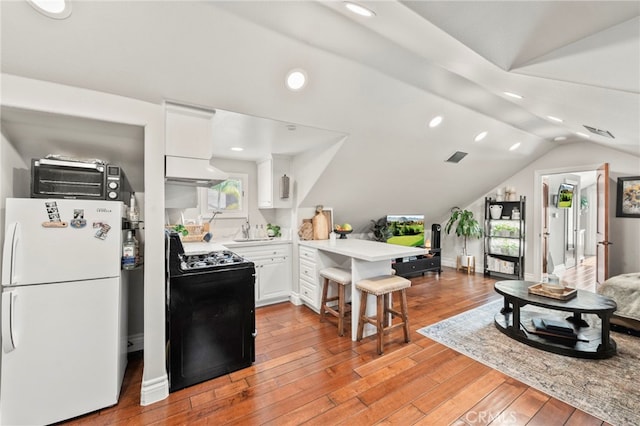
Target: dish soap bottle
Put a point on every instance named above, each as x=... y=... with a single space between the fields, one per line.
x=129 y=252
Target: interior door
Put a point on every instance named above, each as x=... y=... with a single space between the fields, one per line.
x=602 y=225
x=545 y=226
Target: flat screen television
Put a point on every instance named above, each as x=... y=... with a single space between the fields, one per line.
x=565 y=196
x=406 y=230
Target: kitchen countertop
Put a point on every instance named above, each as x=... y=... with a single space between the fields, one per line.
x=203 y=247
x=371 y=251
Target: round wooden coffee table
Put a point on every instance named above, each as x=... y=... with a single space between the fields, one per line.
x=591 y=342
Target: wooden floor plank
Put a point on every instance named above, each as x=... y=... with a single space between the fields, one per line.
x=347 y=408
x=306 y=374
x=523 y=408
x=455 y=407
x=493 y=406
x=580 y=418
x=552 y=412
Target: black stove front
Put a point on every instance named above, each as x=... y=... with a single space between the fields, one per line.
x=210 y=314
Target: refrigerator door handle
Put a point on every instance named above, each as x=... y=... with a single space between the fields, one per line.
x=8 y=316
x=9 y=254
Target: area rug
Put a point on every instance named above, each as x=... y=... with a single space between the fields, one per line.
x=608 y=389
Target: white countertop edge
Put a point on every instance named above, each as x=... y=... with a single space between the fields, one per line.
x=371 y=251
x=203 y=247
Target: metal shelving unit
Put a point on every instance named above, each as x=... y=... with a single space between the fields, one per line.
x=504 y=239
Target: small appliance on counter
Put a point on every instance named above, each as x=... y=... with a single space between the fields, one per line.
x=210 y=314
x=61 y=177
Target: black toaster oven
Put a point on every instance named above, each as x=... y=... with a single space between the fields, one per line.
x=52 y=178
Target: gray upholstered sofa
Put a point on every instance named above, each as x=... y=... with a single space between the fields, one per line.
x=625 y=290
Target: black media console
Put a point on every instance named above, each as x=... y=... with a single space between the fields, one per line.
x=419 y=265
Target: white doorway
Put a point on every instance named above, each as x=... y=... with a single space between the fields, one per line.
x=567 y=243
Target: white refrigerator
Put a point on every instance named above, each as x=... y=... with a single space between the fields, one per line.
x=64 y=309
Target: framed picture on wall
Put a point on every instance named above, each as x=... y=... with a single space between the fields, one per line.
x=628 y=199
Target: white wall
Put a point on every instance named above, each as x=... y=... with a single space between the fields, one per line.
x=58 y=99
x=573 y=157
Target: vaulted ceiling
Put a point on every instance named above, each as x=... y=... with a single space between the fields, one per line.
x=380 y=80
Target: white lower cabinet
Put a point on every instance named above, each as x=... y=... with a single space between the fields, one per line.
x=273 y=271
x=308 y=278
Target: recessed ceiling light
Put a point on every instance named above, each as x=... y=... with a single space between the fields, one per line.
x=291 y=127
x=560 y=138
x=584 y=135
x=359 y=10
x=237 y=148
x=552 y=118
x=480 y=136
x=435 y=121
x=513 y=95
x=296 y=79
x=514 y=146
x=56 y=9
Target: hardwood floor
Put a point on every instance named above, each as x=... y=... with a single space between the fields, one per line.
x=305 y=374
x=582 y=276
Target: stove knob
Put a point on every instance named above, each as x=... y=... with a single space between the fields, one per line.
x=113 y=185
x=112 y=195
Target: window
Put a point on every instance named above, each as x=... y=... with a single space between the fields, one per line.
x=228 y=197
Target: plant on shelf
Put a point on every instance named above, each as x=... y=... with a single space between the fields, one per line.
x=504 y=230
x=466 y=225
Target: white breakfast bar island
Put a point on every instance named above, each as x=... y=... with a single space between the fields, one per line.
x=365 y=259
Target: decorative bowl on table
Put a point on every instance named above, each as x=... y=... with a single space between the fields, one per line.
x=343 y=233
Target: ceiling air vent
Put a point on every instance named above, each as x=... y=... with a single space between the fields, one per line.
x=456 y=157
x=605 y=133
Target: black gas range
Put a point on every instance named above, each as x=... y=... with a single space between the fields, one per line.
x=210 y=316
x=181 y=263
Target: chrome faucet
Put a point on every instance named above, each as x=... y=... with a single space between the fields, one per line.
x=214 y=213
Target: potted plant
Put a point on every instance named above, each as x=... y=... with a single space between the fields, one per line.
x=466 y=226
x=380 y=230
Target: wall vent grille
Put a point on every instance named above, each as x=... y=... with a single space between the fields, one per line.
x=600 y=132
x=456 y=157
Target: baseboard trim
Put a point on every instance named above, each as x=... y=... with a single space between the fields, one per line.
x=135 y=342
x=154 y=390
x=295 y=299
x=445 y=261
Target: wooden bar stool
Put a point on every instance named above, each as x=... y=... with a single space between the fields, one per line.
x=342 y=278
x=383 y=288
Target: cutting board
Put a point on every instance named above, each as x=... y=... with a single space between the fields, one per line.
x=320 y=226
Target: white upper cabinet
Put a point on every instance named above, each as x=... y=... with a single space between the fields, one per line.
x=189 y=132
x=265 y=184
x=271 y=187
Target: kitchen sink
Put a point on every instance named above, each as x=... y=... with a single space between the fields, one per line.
x=244 y=240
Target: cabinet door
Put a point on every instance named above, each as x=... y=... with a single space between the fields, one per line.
x=189 y=132
x=275 y=279
x=265 y=184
